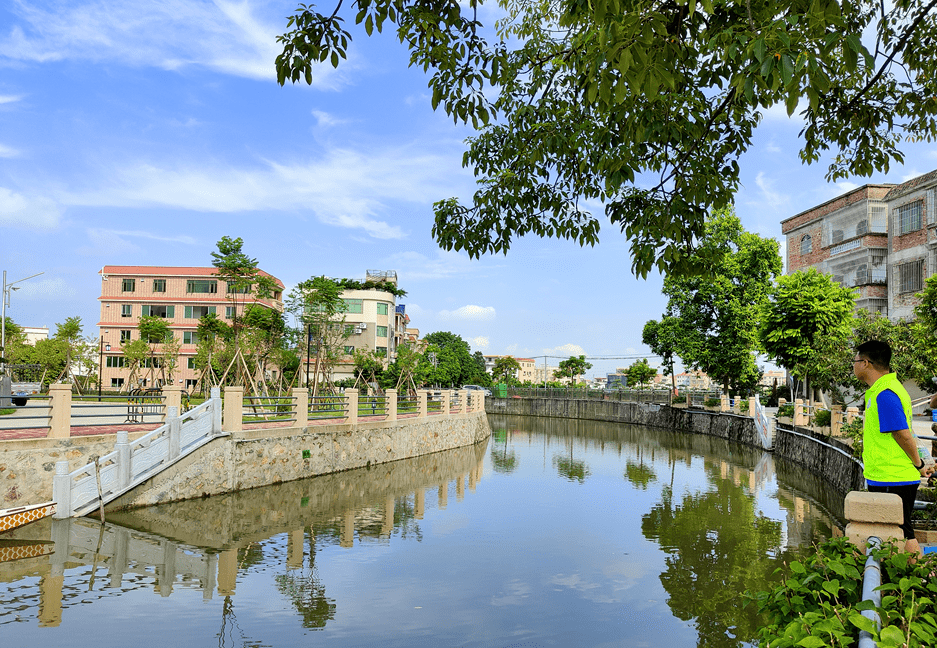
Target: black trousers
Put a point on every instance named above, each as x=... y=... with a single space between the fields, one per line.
x=907 y=493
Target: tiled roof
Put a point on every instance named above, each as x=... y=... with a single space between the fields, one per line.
x=169 y=271
x=911 y=185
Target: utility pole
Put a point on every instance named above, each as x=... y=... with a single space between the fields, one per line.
x=7 y=288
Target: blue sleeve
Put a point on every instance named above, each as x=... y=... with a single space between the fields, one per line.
x=891 y=416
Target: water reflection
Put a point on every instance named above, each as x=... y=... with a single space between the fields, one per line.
x=554 y=533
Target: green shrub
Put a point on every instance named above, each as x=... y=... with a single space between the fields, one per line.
x=786 y=410
x=854 y=432
x=679 y=399
x=823 y=418
x=712 y=402
x=743 y=404
x=819 y=602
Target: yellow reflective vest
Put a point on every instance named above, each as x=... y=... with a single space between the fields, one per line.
x=883 y=458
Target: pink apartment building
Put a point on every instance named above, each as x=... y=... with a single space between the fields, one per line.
x=180 y=295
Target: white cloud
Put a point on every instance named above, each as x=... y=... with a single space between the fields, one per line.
x=478 y=343
x=413 y=265
x=8 y=152
x=325 y=120
x=4 y=99
x=36 y=213
x=771 y=196
x=565 y=350
x=343 y=188
x=171 y=34
x=771 y=147
x=415 y=310
x=778 y=113
x=46 y=288
x=469 y=312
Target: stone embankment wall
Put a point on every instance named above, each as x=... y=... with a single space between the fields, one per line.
x=244 y=459
x=828 y=458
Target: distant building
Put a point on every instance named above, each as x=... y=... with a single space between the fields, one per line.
x=374 y=322
x=35 y=333
x=181 y=296
x=526 y=373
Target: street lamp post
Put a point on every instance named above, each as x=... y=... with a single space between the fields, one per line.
x=4 y=302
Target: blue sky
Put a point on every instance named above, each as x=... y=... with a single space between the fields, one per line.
x=140 y=133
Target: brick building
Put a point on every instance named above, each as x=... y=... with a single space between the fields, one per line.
x=180 y=295
x=880 y=239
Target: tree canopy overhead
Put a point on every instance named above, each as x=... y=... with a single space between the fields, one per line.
x=645 y=107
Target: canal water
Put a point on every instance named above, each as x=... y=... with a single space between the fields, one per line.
x=551 y=533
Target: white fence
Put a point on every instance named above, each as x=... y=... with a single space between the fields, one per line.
x=81 y=491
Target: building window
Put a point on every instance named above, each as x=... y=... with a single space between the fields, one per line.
x=354 y=305
x=117 y=382
x=190 y=383
x=159 y=285
x=382 y=308
x=190 y=363
x=911 y=277
x=806 y=245
x=238 y=288
x=189 y=337
x=349 y=350
x=153 y=310
x=128 y=285
x=201 y=286
x=124 y=335
x=125 y=310
x=115 y=361
x=381 y=352
x=909 y=217
x=382 y=331
x=229 y=311
x=198 y=312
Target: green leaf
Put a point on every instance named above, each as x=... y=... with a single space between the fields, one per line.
x=812 y=642
x=862 y=622
x=891 y=636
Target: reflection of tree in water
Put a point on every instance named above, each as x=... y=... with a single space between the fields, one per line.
x=503 y=459
x=718 y=547
x=571 y=469
x=306 y=592
x=638 y=474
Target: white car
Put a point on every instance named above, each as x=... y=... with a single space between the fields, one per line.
x=487 y=392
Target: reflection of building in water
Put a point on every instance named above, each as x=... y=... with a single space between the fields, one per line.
x=813 y=507
x=205 y=544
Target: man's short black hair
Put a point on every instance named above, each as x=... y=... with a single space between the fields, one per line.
x=878 y=353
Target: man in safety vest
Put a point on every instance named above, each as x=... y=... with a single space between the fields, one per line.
x=890 y=452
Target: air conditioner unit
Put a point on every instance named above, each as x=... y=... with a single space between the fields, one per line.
x=363 y=326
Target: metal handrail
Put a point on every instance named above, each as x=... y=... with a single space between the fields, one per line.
x=871 y=581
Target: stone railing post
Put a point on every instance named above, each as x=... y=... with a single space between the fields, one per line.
x=752 y=405
x=782 y=402
x=172 y=398
x=873 y=514
x=724 y=403
x=836 y=421
x=123 y=459
x=351 y=405
x=216 y=407
x=852 y=413
x=175 y=431
x=421 y=396
x=735 y=405
x=390 y=404
x=799 y=418
x=446 y=399
x=62 y=490
x=233 y=420
x=463 y=402
x=301 y=405
x=60 y=424
x=480 y=402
